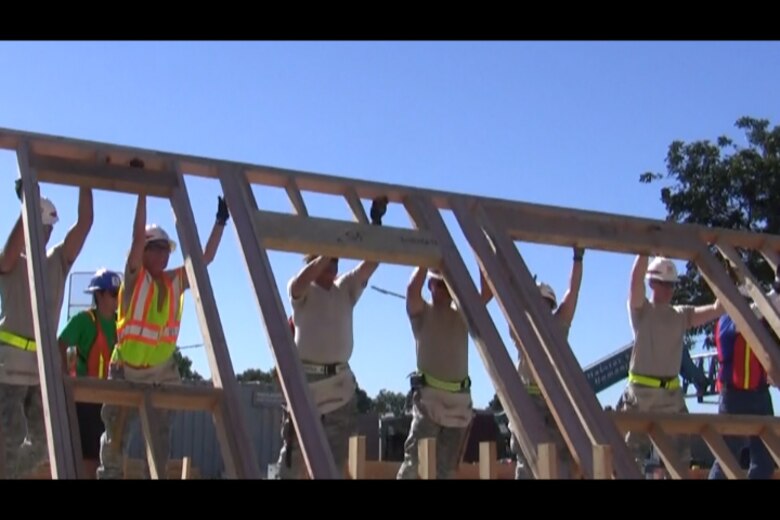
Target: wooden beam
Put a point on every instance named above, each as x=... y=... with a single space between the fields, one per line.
x=130 y=394
x=501 y=284
x=667 y=453
x=598 y=233
x=692 y=423
x=547 y=455
x=311 y=434
x=62 y=444
x=154 y=454
x=82 y=149
x=239 y=450
x=426 y=455
x=357 y=457
x=111 y=177
x=761 y=300
x=358 y=211
x=772 y=442
x=761 y=342
x=186 y=468
x=520 y=409
x=728 y=462
x=602 y=461
x=296 y=199
x=488 y=463
x=343 y=239
x=596 y=426
x=224 y=436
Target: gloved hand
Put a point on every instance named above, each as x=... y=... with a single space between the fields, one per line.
x=578 y=253
x=18 y=186
x=136 y=163
x=223 y=215
x=378 y=210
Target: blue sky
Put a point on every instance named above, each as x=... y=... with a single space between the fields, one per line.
x=563 y=123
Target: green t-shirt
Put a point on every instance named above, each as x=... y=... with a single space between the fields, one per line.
x=80 y=332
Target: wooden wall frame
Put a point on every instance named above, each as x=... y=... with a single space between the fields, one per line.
x=491 y=227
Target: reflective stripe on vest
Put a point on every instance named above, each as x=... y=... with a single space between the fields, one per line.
x=99 y=353
x=654 y=382
x=17 y=341
x=147 y=337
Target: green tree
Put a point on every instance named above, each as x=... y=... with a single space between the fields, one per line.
x=725 y=185
x=256 y=375
x=185 y=367
x=364 y=403
x=388 y=401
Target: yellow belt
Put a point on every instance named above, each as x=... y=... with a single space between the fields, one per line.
x=17 y=341
x=533 y=389
x=447 y=386
x=672 y=383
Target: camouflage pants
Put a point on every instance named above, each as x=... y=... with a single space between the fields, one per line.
x=24 y=430
x=339 y=425
x=117 y=421
x=565 y=460
x=637 y=398
x=449 y=441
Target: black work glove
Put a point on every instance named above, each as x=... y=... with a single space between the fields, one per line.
x=223 y=215
x=578 y=253
x=18 y=186
x=136 y=163
x=378 y=210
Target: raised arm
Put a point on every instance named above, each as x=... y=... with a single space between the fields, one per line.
x=136 y=256
x=569 y=302
x=704 y=314
x=414 y=300
x=364 y=271
x=14 y=246
x=636 y=293
x=77 y=235
x=223 y=215
x=307 y=275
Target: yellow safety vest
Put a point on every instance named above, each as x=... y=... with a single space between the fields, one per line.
x=145 y=336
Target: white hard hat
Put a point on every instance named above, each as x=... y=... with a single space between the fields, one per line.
x=48 y=212
x=662 y=269
x=548 y=293
x=155 y=233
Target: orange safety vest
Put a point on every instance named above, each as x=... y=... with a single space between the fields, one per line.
x=145 y=336
x=100 y=353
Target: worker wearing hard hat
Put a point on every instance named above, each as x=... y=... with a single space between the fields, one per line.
x=440 y=387
x=564 y=316
x=743 y=385
x=659 y=331
x=93 y=335
x=20 y=392
x=151 y=299
x=322 y=309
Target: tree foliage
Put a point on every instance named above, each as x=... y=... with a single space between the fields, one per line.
x=185 y=367
x=256 y=375
x=387 y=401
x=723 y=184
